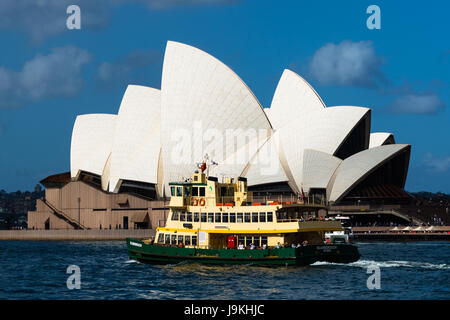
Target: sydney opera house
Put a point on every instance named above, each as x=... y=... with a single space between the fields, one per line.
x=121 y=164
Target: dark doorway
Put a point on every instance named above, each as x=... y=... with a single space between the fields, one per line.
x=47 y=224
x=125 y=222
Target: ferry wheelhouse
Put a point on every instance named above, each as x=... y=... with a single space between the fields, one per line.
x=220 y=222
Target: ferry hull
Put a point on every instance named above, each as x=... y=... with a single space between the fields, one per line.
x=157 y=254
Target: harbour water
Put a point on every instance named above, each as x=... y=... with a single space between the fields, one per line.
x=38 y=270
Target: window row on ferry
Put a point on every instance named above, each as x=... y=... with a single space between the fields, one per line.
x=173 y=239
x=196 y=191
x=222 y=217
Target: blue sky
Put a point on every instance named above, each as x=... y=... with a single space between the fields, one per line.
x=49 y=74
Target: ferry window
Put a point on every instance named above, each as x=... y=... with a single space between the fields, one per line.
x=217 y=219
x=241 y=239
x=202 y=191
x=225 y=217
x=180 y=239
x=247 y=217
x=230 y=192
x=173 y=239
x=264 y=240
x=257 y=242
x=210 y=217
x=194 y=240
x=187 y=191
x=175 y=215
x=203 y=216
x=223 y=191
x=161 y=238
x=254 y=216
x=195 y=216
x=269 y=217
x=179 y=191
x=239 y=217
x=172 y=191
x=232 y=217
x=187 y=240
x=262 y=217
x=183 y=216
x=167 y=239
x=248 y=241
x=189 y=217
x=194 y=191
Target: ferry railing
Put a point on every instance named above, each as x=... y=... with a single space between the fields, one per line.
x=255 y=200
x=205 y=201
x=310 y=218
x=289 y=199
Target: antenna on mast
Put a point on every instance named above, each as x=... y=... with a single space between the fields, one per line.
x=206 y=164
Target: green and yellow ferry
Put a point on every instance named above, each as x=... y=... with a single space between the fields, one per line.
x=220 y=223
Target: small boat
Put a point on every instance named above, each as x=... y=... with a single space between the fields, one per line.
x=346 y=235
x=216 y=222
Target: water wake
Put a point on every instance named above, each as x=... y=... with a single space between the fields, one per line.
x=132 y=261
x=388 y=264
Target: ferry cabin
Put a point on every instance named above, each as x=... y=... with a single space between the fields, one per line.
x=208 y=214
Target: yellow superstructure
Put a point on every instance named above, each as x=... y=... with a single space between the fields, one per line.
x=206 y=213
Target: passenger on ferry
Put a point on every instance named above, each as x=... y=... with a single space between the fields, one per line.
x=264 y=246
x=293 y=245
x=241 y=246
x=181 y=245
x=305 y=243
x=278 y=246
x=252 y=246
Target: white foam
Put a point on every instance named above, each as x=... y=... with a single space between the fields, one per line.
x=132 y=261
x=387 y=264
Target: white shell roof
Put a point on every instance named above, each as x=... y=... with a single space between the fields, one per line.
x=135 y=150
x=265 y=166
x=379 y=138
x=318 y=168
x=199 y=91
x=160 y=136
x=268 y=112
x=92 y=139
x=322 y=130
x=355 y=168
x=293 y=97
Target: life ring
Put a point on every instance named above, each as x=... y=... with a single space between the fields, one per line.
x=195 y=202
x=202 y=202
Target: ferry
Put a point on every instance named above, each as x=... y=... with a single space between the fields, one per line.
x=216 y=222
